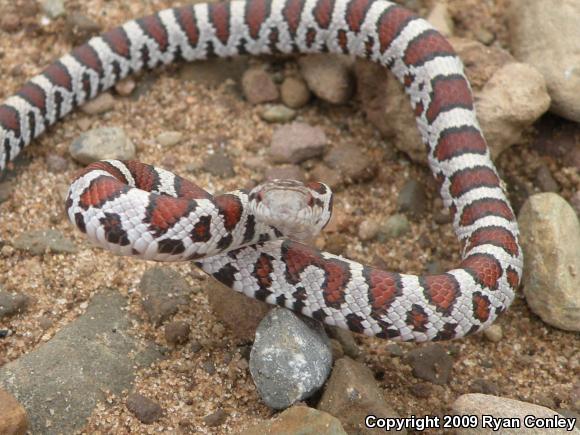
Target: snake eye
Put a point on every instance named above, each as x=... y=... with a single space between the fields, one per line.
x=310 y=201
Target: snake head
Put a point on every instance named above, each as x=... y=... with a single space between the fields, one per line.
x=298 y=210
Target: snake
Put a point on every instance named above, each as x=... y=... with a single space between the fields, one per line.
x=135 y=209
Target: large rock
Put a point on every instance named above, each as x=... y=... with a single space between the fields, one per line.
x=550 y=236
x=545 y=34
x=500 y=410
x=505 y=107
x=290 y=359
x=328 y=77
x=62 y=381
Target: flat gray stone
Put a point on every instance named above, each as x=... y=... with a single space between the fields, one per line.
x=60 y=383
x=101 y=144
x=39 y=242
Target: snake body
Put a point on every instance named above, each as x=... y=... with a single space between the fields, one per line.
x=238 y=251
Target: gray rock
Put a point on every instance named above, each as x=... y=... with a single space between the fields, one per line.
x=550 y=237
x=351 y=394
x=290 y=358
x=62 y=381
x=505 y=410
x=219 y=164
x=431 y=363
x=294 y=92
x=258 y=86
x=277 y=113
x=536 y=38
x=101 y=144
x=395 y=226
x=11 y=304
x=296 y=142
x=328 y=77
x=162 y=291
x=412 y=199
x=298 y=420
x=56 y=164
x=53 y=8
x=146 y=410
x=39 y=242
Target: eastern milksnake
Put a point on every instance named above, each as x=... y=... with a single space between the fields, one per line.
x=321 y=285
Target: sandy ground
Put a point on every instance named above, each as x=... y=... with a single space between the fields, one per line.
x=533 y=362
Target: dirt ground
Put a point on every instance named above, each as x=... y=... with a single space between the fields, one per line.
x=533 y=362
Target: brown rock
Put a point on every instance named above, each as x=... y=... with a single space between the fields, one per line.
x=13 y=420
x=258 y=86
x=163 y=291
x=351 y=162
x=177 y=332
x=80 y=28
x=328 y=77
x=10 y=23
x=294 y=92
x=323 y=173
x=351 y=394
x=215 y=418
x=237 y=311
x=295 y=142
x=431 y=363
x=146 y=410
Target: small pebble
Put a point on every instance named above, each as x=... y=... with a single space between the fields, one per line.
x=412 y=198
x=294 y=92
x=169 y=138
x=216 y=418
x=10 y=23
x=219 y=164
x=494 y=333
x=53 y=8
x=146 y=410
x=177 y=332
x=125 y=87
x=101 y=144
x=395 y=226
x=100 y=104
x=258 y=86
x=368 y=229
x=296 y=142
x=431 y=363
x=277 y=114
x=56 y=164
